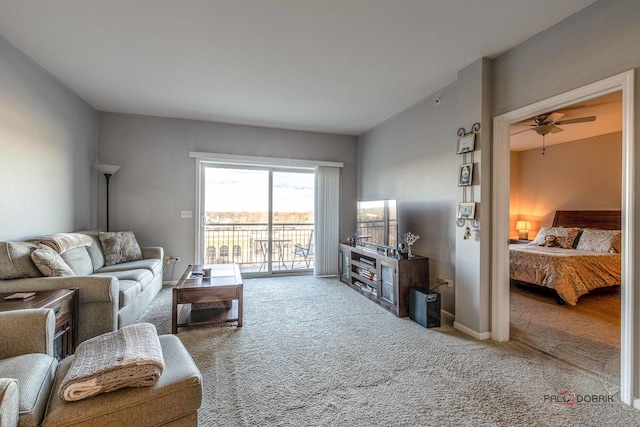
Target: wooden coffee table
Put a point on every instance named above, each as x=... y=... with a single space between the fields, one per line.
x=225 y=284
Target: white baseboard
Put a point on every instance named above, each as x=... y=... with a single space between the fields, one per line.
x=446 y=315
x=481 y=336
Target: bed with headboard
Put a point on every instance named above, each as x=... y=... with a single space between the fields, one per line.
x=578 y=254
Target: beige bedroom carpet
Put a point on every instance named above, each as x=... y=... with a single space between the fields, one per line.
x=313 y=352
x=586 y=335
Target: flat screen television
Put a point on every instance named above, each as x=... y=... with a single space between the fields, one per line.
x=377 y=222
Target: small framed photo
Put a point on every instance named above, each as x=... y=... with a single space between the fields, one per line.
x=467 y=210
x=466 y=143
x=465 y=174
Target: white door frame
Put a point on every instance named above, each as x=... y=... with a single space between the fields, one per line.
x=500 y=220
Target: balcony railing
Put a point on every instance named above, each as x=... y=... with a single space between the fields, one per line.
x=248 y=245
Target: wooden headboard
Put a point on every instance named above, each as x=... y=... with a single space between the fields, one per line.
x=604 y=220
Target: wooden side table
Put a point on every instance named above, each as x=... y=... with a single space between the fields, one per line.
x=64 y=303
x=519 y=241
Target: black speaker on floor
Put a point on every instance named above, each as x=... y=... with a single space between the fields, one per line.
x=424 y=307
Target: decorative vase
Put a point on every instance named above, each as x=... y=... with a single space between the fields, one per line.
x=410 y=254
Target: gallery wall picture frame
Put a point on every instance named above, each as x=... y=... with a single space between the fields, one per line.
x=465 y=174
x=466 y=143
x=467 y=210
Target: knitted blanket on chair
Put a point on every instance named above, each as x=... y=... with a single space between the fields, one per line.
x=128 y=357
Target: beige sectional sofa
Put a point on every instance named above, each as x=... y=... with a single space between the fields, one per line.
x=111 y=296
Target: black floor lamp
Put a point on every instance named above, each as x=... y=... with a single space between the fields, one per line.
x=108 y=170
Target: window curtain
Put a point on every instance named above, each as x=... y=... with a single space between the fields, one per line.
x=327 y=221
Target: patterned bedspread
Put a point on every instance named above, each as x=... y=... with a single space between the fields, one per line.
x=570 y=272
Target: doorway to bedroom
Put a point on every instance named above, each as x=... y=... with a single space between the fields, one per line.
x=623 y=82
x=567 y=160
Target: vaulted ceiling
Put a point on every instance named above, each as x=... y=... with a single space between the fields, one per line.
x=328 y=66
x=607 y=113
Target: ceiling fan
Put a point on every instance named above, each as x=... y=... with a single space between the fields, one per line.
x=550 y=123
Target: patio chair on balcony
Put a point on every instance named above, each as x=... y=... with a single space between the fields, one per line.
x=224 y=254
x=305 y=252
x=211 y=254
x=237 y=253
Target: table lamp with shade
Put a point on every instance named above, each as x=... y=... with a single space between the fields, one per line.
x=107 y=171
x=523 y=228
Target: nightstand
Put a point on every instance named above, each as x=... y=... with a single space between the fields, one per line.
x=519 y=242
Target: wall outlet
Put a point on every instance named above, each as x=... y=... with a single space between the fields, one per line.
x=169 y=259
x=446 y=282
x=186 y=214
x=175 y=258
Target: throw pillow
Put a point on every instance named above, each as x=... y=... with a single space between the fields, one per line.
x=565 y=236
x=539 y=240
x=119 y=247
x=603 y=241
x=50 y=263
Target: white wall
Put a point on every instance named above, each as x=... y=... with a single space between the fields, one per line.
x=157 y=177
x=412 y=158
x=47 y=152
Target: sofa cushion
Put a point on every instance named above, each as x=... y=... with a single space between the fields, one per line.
x=119 y=247
x=177 y=394
x=128 y=291
x=15 y=260
x=35 y=373
x=95 y=249
x=79 y=261
x=50 y=263
x=153 y=265
x=144 y=277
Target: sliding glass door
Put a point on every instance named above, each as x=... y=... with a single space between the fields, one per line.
x=259 y=218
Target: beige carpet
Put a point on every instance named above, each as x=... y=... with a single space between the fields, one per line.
x=586 y=335
x=313 y=352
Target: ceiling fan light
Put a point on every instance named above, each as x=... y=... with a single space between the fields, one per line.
x=543 y=129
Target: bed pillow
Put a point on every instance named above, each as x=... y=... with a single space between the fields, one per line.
x=564 y=236
x=50 y=263
x=119 y=247
x=602 y=241
x=540 y=237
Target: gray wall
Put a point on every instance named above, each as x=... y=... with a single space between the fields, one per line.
x=597 y=42
x=47 y=152
x=582 y=49
x=412 y=158
x=157 y=177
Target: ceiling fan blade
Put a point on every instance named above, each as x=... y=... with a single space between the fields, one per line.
x=515 y=133
x=554 y=117
x=556 y=129
x=578 y=120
